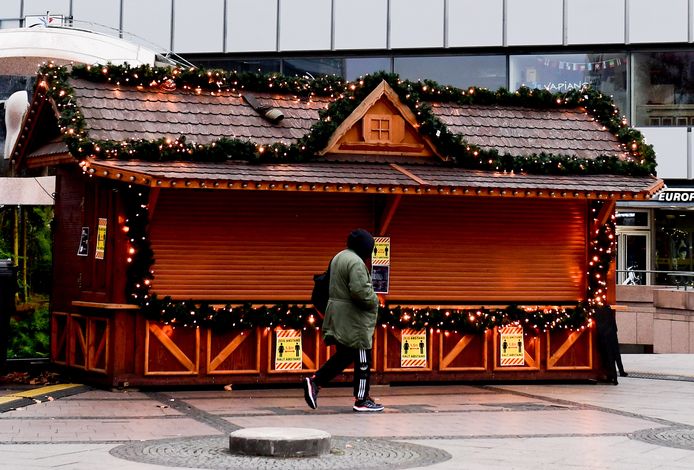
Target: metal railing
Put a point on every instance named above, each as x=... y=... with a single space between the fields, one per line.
x=678 y=279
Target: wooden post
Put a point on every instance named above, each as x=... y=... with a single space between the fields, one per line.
x=24 y=255
x=15 y=236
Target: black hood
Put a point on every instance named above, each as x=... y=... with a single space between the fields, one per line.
x=361 y=242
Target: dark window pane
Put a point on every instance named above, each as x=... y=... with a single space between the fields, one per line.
x=560 y=73
x=632 y=219
x=312 y=67
x=460 y=71
x=356 y=67
x=674 y=248
x=636 y=258
x=664 y=89
x=239 y=65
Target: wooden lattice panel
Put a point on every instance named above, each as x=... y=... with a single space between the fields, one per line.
x=233 y=352
x=310 y=350
x=391 y=352
x=87 y=342
x=459 y=352
x=570 y=350
x=77 y=339
x=531 y=345
x=97 y=344
x=171 y=351
x=59 y=337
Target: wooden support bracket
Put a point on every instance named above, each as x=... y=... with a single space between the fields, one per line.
x=388 y=213
x=605 y=212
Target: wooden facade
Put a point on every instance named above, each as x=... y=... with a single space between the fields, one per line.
x=231 y=246
x=232 y=233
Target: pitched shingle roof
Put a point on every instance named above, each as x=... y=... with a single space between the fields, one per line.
x=120 y=113
x=523 y=132
x=117 y=113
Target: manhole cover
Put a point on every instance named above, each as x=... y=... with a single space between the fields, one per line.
x=212 y=452
x=681 y=438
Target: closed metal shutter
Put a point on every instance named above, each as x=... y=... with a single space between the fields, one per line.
x=265 y=246
x=484 y=250
x=249 y=245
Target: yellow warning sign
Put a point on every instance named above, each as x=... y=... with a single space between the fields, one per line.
x=511 y=344
x=381 y=254
x=288 y=350
x=100 y=240
x=413 y=348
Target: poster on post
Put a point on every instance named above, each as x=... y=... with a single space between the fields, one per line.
x=288 y=350
x=83 y=248
x=413 y=348
x=100 y=239
x=380 y=265
x=512 y=351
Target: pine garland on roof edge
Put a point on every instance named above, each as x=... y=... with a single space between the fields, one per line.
x=345 y=97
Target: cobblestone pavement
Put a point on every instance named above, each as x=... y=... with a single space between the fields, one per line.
x=647 y=421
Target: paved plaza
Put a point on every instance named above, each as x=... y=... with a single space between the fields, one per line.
x=645 y=422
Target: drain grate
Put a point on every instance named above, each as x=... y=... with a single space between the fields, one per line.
x=679 y=437
x=647 y=375
x=527 y=406
x=212 y=452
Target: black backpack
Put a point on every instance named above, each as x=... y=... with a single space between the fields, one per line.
x=321 y=290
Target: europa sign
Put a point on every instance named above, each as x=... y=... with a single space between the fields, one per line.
x=675 y=195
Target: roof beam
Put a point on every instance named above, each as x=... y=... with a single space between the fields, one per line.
x=409 y=174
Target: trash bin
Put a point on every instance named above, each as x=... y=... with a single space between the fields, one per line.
x=8 y=289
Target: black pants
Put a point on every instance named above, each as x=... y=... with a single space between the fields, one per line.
x=339 y=361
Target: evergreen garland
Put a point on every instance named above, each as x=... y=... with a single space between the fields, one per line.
x=345 y=97
x=195 y=313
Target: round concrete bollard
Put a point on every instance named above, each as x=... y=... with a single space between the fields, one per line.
x=279 y=442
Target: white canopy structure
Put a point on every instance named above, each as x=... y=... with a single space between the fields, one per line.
x=36 y=191
x=70 y=45
x=22 y=50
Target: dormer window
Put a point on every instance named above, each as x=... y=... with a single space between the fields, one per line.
x=378 y=128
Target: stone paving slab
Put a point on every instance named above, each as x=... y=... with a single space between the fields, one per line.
x=628 y=396
x=640 y=424
x=551 y=453
x=519 y=423
x=52 y=430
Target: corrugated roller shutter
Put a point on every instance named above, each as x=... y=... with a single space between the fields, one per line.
x=248 y=245
x=487 y=250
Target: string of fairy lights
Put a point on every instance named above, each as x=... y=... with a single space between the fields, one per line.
x=639 y=160
x=242 y=316
x=637 y=157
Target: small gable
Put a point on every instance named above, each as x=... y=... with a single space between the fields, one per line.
x=380 y=125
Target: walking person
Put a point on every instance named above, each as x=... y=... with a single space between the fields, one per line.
x=350 y=319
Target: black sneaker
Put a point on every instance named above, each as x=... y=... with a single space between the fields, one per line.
x=367 y=405
x=311 y=393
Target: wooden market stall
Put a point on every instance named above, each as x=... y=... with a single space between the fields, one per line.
x=193 y=209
